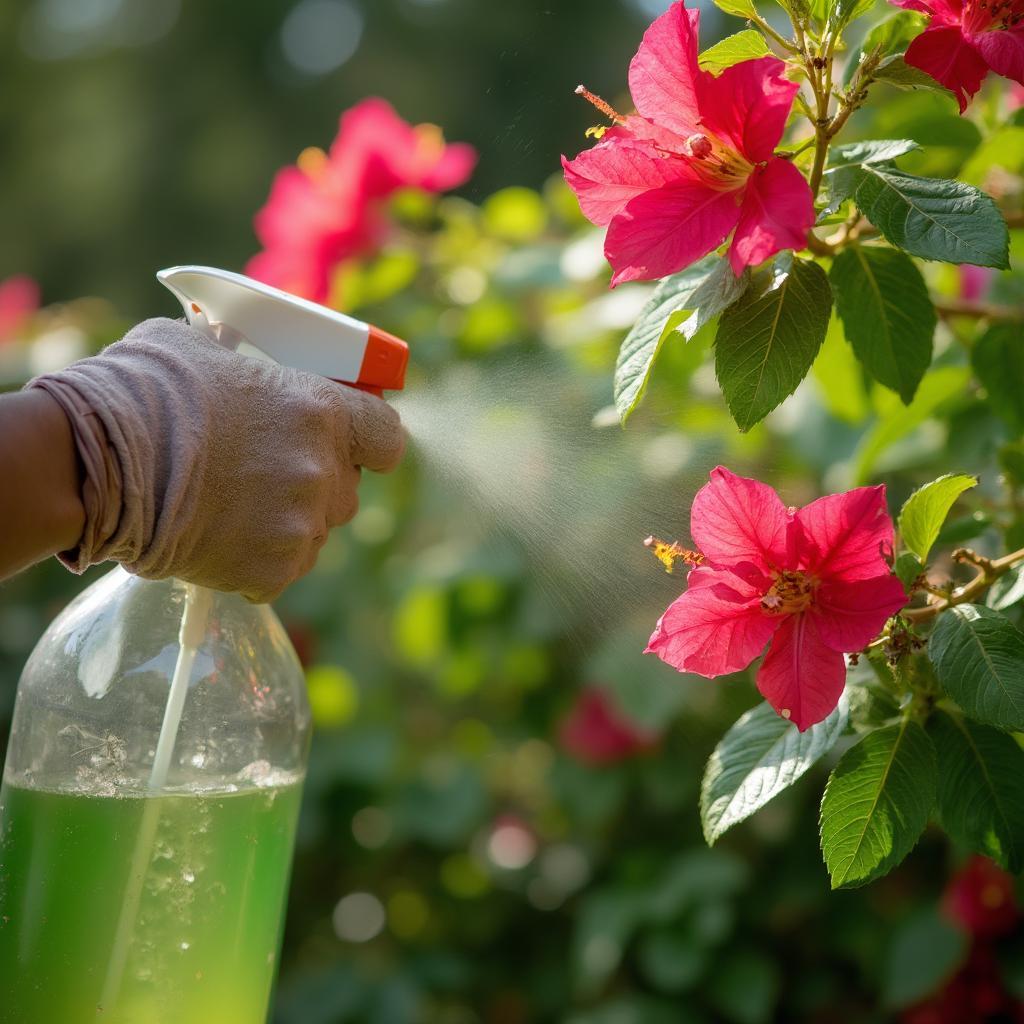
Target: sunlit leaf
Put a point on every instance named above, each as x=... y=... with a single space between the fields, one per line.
x=759 y=757
x=746 y=45
x=706 y=289
x=767 y=341
x=877 y=803
x=925 y=511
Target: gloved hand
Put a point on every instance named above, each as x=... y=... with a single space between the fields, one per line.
x=213 y=467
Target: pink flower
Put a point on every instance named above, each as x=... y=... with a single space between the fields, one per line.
x=965 y=39
x=695 y=163
x=974 y=281
x=811 y=582
x=326 y=208
x=596 y=732
x=19 y=299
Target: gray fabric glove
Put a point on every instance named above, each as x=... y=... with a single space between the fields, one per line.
x=213 y=467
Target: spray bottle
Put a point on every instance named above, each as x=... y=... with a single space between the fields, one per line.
x=157 y=754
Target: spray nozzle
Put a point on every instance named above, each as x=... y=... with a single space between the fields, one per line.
x=232 y=309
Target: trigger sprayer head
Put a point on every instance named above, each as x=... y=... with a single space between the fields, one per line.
x=292 y=331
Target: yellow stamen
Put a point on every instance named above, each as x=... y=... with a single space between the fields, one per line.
x=669 y=553
x=791 y=592
x=606 y=108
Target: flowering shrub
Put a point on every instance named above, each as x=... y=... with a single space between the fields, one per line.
x=842 y=226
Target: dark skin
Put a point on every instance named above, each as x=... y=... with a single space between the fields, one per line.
x=41 y=508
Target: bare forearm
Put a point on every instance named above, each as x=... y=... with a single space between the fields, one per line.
x=41 y=509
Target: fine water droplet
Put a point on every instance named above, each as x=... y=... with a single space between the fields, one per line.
x=184 y=946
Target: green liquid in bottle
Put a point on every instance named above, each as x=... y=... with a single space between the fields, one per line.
x=142 y=910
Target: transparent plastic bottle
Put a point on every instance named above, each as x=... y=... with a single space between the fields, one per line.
x=132 y=893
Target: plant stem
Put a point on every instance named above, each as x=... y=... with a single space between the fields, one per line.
x=977 y=310
x=786 y=44
x=989 y=570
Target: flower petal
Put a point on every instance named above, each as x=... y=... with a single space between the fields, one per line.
x=845 y=536
x=747 y=105
x=453 y=168
x=735 y=519
x=851 y=614
x=608 y=176
x=943 y=12
x=800 y=677
x=668 y=228
x=717 y=626
x=1003 y=51
x=950 y=59
x=663 y=75
x=777 y=212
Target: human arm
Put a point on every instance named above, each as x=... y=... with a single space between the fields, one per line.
x=41 y=509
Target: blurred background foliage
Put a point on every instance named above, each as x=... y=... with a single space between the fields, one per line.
x=500 y=823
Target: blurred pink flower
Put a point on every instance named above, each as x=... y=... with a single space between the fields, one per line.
x=696 y=162
x=327 y=208
x=981 y=897
x=596 y=732
x=974 y=281
x=965 y=39
x=811 y=583
x=19 y=299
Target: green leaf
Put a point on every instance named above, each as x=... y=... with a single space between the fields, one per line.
x=871 y=151
x=741 y=8
x=876 y=803
x=706 y=288
x=940 y=388
x=998 y=360
x=759 y=757
x=767 y=341
x=1007 y=591
x=887 y=314
x=843 y=177
x=908 y=567
x=926 y=509
x=979 y=798
x=935 y=218
x=979 y=660
x=872 y=701
x=746 y=45
x=896 y=71
x=842 y=12
x=889 y=36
